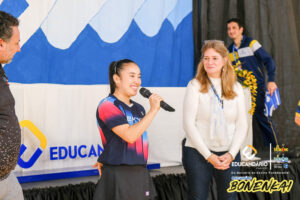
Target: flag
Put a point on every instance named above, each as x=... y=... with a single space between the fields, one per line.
x=271 y=102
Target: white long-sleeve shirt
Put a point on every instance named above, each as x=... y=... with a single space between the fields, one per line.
x=197 y=119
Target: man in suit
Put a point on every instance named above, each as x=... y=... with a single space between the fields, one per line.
x=10 y=133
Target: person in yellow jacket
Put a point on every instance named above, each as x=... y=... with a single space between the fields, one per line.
x=297 y=115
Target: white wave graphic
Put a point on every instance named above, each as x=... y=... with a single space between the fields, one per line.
x=67 y=20
x=152 y=14
x=63 y=20
x=114 y=19
x=182 y=9
x=32 y=18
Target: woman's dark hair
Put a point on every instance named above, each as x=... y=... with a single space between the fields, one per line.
x=116 y=67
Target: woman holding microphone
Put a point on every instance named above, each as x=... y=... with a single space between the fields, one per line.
x=122 y=125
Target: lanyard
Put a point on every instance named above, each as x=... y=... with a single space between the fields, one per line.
x=215 y=91
x=234 y=49
x=236 y=60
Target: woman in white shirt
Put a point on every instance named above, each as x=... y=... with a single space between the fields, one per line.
x=214 y=120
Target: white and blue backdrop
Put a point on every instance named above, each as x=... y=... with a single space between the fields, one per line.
x=61 y=74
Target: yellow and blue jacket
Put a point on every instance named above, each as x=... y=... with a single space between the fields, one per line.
x=298 y=109
x=252 y=58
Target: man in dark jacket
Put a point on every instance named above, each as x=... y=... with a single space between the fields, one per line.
x=247 y=53
x=10 y=134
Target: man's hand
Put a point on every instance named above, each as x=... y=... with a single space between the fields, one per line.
x=297 y=120
x=272 y=87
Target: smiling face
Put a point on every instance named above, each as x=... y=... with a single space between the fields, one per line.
x=9 y=48
x=129 y=81
x=234 y=31
x=213 y=63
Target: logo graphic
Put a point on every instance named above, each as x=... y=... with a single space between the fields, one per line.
x=280 y=149
x=43 y=143
x=259 y=185
x=281 y=159
x=247 y=153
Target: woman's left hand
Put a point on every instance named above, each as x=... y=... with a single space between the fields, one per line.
x=98 y=165
x=226 y=159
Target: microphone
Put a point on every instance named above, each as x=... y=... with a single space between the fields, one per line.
x=146 y=93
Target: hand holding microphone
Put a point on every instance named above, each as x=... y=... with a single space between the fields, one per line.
x=146 y=93
x=154 y=101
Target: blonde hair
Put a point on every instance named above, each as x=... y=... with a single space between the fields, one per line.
x=228 y=76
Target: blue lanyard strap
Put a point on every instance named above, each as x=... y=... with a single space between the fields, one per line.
x=215 y=91
x=236 y=60
x=234 y=49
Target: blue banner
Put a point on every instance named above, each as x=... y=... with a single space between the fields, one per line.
x=74 y=44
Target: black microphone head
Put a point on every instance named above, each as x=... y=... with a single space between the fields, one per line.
x=166 y=107
x=145 y=92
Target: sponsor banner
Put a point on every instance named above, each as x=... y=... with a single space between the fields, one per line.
x=246 y=180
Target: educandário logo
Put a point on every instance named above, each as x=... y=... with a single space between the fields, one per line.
x=243 y=181
x=55 y=152
x=43 y=143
